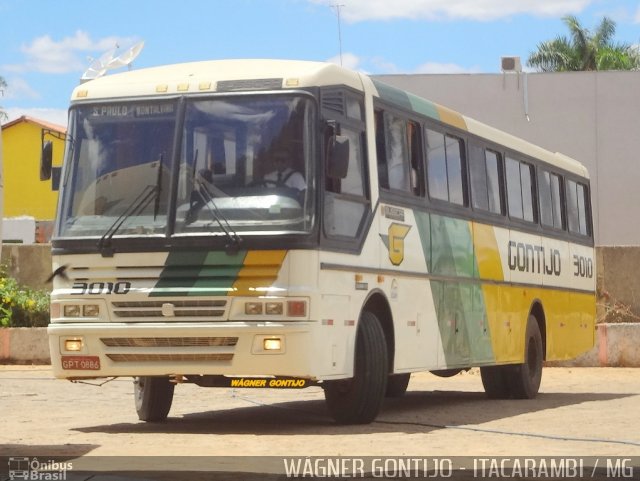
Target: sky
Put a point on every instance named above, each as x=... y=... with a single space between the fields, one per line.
x=46 y=46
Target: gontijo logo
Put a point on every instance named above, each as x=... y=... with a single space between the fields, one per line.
x=394 y=242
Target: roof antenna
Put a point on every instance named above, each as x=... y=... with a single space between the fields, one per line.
x=337 y=6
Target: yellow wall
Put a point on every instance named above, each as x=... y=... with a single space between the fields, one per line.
x=24 y=192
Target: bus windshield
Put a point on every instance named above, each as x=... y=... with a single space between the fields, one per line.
x=244 y=165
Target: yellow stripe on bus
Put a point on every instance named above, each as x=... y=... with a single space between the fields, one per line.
x=569 y=320
x=260 y=270
x=451 y=117
x=487 y=252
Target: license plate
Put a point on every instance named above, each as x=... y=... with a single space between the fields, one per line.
x=81 y=363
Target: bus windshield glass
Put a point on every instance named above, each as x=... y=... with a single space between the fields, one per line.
x=244 y=167
x=246 y=164
x=117 y=154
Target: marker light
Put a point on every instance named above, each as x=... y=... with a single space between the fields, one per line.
x=90 y=310
x=72 y=310
x=253 y=308
x=272 y=344
x=73 y=345
x=274 y=308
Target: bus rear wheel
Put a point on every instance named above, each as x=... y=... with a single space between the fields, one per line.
x=495 y=381
x=359 y=399
x=519 y=381
x=153 y=397
x=525 y=378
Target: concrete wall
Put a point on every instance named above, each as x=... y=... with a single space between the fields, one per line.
x=618 y=284
x=30 y=265
x=24 y=345
x=590 y=116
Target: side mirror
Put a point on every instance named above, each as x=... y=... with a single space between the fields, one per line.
x=46 y=160
x=338 y=157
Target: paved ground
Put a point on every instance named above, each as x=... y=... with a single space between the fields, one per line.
x=579 y=412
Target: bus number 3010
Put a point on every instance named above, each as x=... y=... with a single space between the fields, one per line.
x=96 y=288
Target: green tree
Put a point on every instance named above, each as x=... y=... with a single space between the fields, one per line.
x=585 y=50
x=3 y=85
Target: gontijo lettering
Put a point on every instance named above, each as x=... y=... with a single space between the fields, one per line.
x=535 y=259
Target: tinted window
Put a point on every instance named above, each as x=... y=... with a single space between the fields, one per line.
x=444 y=167
x=514 y=188
x=485 y=179
x=520 y=190
x=550 y=200
x=345 y=200
x=437 y=166
x=577 y=208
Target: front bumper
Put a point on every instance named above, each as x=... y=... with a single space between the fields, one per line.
x=150 y=349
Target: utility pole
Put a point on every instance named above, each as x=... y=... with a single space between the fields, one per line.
x=337 y=6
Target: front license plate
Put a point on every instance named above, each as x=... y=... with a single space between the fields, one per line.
x=81 y=363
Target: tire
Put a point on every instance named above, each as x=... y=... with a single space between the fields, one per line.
x=397 y=384
x=446 y=372
x=524 y=379
x=495 y=380
x=358 y=400
x=153 y=397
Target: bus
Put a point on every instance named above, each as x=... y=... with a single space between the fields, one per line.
x=418 y=240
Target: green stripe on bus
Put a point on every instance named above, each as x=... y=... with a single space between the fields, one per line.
x=407 y=100
x=199 y=273
x=460 y=308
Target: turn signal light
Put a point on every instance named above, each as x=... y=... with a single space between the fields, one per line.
x=296 y=308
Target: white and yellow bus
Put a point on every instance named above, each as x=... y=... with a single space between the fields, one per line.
x=414 y=239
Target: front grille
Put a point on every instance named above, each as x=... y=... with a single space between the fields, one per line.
x=169 y=357
x=177 y=309
x=168 y=341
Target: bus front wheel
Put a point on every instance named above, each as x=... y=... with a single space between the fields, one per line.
x=153 y=397
x=359 y=399
x=397 y=384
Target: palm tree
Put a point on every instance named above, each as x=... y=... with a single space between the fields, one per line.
x=3 y=85
x=585 y=50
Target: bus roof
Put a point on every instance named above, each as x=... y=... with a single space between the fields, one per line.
x=215 y=76
x=264 y=74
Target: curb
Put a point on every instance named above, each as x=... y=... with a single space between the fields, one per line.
x=617 y=345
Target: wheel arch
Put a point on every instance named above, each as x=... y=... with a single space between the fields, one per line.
x=537 y=311
x=377 y=303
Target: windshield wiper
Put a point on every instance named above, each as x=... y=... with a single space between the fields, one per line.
x=235 y=240
x=149 y=193
x=139 y=203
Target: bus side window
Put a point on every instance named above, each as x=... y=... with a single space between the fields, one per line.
x=346 y=199
x=444 y=167
x=549 y=188
x=577 y=208
x=520 y=190
x=484 y=167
